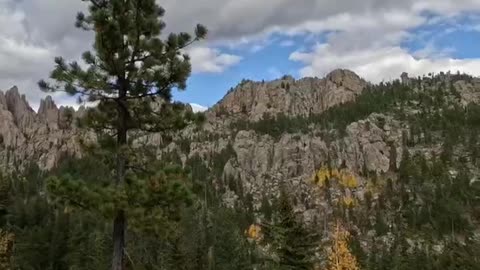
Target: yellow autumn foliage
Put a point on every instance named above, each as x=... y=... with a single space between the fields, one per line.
x=254 y=232
x=339 y=255
x=349 y=181
x=348 y=201
x=346 y=179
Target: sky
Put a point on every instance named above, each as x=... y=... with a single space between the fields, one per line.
x=260 y=40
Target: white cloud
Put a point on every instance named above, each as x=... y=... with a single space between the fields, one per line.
x=198 y=108
x=380 y=64
x=227 y=20
x=372 y=46
x=30 y=38
x=205 y=59
x=446 y=7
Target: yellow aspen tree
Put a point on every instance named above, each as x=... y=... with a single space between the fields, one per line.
x=340 y=257
x=254 y=232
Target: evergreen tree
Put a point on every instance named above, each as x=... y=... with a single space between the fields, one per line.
x=231 y=249
x=4 y=198
x=293 y=243
x=131 y=67
x=6 y=237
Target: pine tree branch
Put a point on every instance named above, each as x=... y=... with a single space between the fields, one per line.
x=187 y=44
x=75 y=203
x=141 y=59
x=178 y=48
x=151 y=94
x=86 y=92
x=98 y=5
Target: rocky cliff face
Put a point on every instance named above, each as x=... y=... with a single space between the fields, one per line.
x=291 y=97
x=28 y=136
x=262 y=163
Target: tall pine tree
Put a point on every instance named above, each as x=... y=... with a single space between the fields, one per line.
x=293 y=243
x=130 y=74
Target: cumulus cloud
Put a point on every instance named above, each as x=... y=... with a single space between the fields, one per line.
x=205 y=59
x=30 y=37
x=198 y=108
x=378 y=65
x=227 y=20
x=372 y=46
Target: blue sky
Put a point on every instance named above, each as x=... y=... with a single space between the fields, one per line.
x=258 y=40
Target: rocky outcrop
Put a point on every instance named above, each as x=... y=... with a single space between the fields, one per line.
x=469 y=92
x=262 y=163
x=48 y=113
x=26 y=136
x=18 y=106
x=291 y=97
x=373 y=144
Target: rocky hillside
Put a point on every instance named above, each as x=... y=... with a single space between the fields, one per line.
x=45 y=136
x=264 y=133
x=396 y=162
x=267 y=135
x=28 y=136
x=289 y=96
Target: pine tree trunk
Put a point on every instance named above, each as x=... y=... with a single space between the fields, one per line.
x=120 y=221
x=119 y=227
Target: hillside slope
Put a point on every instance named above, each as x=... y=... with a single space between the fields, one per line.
x=395 y=163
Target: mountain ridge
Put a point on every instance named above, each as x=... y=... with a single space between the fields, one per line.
x=404 y=150
x=32 y=133
x=292 y=97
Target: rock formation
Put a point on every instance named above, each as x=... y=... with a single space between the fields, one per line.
x=27 y=136
x=291 y=97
